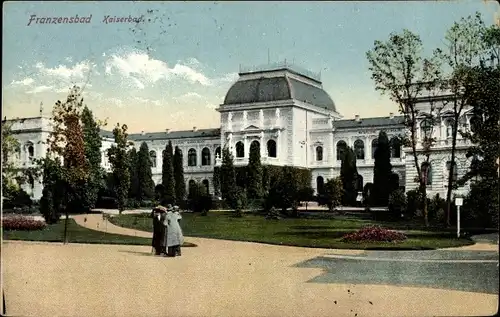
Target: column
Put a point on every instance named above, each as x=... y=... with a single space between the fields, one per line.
x=261 y=118
x=276 y=117
x=246 y=147
x=442 y=130
x=198 y=156
x=262 y=144
x=368 y=149
x=244 y=120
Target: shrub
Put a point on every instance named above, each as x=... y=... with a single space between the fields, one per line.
x=437 y=205
x=397 y=204
x=241 y=202
x=374 y=234
x=200 y=200
x=22 y=223
x=273 y=214
x=414 y=202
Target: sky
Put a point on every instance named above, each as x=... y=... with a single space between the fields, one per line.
x=173 y=68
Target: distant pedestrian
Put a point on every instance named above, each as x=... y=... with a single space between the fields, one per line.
x=158 y=230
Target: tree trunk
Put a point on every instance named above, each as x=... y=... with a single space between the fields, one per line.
x=451 y=171
x=66 y=226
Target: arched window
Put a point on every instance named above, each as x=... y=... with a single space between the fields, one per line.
x=255 y=144
x=30 y=149
x=475 y=123
x=271 y=148
x=359 y=149
x=152 y=158
x=449 y=128
x=192 y=157
x=205 y=183
x=319 y=153
x=218 y=152
x=320 y=185
x=240 y=149
x=454 y=172
x=426 y=171
x=395 y=147
x=425 y=128
x=374 y=147
x=205 y=156
x=191 y=187
x=341 y=149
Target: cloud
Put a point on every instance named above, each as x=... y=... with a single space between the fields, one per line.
x=78 y=71
x=39 y=89
x=141 y=69
x=24 y=82
x=147 y=101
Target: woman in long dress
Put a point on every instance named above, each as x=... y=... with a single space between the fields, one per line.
x=174 y=235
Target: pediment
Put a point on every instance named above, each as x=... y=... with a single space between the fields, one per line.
x=252 y=127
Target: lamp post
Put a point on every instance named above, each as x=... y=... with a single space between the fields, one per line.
x=458 y=203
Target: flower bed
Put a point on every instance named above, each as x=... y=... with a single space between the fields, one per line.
x=374 y=233
x=22 y=223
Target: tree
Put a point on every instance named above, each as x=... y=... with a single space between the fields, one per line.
x=120 y=165
x=10 y=174
x=482 y=200
x=180 y=184
x=167 y=175
x=52 y=194
x=333 y=192
x=228 y=178
x=382 y=170
x=199 y=199
x=92 y=144
x=284 y=192
x=134 y=180
x=400 y=71
x=216 y=177
x=254 y=172
x=468 y=43
x=66 y=141
x=348 y=174
x=145 y=184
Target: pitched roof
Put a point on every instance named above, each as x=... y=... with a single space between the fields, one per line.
x=369 y=122
x=168 y=135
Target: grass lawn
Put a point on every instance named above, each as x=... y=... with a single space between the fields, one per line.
x=320 y=233
x=76 y=234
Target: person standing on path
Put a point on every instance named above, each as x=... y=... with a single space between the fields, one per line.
x=178 y=216
x=175 y=237
x=157 y=231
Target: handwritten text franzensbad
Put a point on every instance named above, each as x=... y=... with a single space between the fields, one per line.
x=107 y=19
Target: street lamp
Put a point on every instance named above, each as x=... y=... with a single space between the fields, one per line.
x=458 y=203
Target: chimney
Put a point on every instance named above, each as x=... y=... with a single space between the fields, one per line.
x=356 y=118
x=194 y=129
x=391 y=115
x=167 y=130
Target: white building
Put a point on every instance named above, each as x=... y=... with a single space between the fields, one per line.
x=295 y=122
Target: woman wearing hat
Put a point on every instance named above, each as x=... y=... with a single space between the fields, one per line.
x=158 y=230
x=175 y=237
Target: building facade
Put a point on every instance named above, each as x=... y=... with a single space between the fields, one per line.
x=295 y=122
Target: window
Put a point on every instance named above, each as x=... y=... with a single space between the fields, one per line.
x=240 y=149
x=359 y=149
x=205 y=183
x=395 y=147
x=218 y=152
x=191 y=186
x=374 y=147
x=341 y=149
x=426 y=171
x=271 y=148
x=449 y=128
x=152 y=157
x=425 y=128
x=454 y=176
x=320 y=185
x=192 y=157
x=205 y=156
x=319 y=153
x=255 y=144
x=30 y=149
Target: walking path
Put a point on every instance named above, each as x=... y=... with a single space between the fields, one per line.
x=217 y=278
